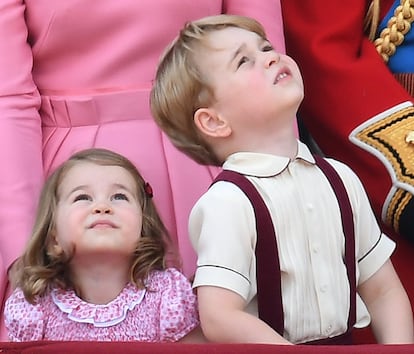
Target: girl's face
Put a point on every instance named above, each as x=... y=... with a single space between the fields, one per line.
x=98 y=213
x=252 y=83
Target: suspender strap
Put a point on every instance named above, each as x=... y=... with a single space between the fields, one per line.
x=348 y=229
x=269 y=294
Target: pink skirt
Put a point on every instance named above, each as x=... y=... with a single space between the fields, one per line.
x=122 y=122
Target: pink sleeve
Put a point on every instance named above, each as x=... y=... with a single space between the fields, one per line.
x=20 y=136
x=24 y=321
x=267 y=12
x=178 y=309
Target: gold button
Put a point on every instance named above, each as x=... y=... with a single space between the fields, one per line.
x=410 y=137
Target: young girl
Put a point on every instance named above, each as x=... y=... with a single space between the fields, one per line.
x=95 y=267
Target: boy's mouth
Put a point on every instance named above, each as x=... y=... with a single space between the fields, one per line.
x=281 y=75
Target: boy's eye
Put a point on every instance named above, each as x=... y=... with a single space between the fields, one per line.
x=120 y=196
x=267 y=48
x=82 y=197
x=242 y=60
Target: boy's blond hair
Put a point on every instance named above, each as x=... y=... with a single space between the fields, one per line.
x=180 y=86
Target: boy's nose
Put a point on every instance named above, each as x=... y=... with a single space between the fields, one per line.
x=272 y=58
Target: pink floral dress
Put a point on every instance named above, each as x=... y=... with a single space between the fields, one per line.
x=163 y=312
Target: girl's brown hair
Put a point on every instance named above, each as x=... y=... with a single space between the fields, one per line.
x=39 y=268
x=180 y=88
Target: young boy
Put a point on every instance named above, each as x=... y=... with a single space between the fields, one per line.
x=225 y=97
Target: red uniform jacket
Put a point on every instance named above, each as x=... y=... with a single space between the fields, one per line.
x=349 y=92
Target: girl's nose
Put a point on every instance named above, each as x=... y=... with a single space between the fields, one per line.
x=102 y=208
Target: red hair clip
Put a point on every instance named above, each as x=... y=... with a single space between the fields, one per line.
x=148 y=190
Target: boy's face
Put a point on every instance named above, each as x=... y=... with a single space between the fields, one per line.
x=251 y=82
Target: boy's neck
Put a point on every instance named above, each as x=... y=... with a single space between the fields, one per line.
x=284 y=143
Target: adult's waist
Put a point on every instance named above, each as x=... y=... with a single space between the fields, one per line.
x=82 y=110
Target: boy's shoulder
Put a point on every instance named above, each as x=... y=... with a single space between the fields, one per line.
x=342 y=168
x=221 y=198
x=223 y=191
x=352 y=182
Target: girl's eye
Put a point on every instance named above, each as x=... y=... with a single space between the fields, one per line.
x=120 y=196
x=242 y=60
x=82 y=197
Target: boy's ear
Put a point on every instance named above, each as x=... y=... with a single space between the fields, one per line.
x=210 y=123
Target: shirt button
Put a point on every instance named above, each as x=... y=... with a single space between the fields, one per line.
x=324 y=288
x=309 y=206
x=315 y=248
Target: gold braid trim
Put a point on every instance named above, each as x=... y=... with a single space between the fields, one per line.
x=396 y=208
x=372 y=19
x=392 y=136
x=397 y=27
x=389 y=136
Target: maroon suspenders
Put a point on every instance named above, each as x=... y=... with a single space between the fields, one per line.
x=269 y=297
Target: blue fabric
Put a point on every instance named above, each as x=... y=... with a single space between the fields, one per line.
x=403 y=59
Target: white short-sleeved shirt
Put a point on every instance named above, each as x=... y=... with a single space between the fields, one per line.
x=307 y=219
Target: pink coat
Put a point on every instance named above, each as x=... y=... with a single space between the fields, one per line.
x=76 y=74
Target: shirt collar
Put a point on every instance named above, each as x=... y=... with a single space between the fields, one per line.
x=264 y=165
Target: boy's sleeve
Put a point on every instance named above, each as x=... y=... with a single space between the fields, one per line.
x=178 y=312
x=24 y=321
x=223 y=233
x=373 y=247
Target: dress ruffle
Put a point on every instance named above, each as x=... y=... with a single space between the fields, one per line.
x=99 y=315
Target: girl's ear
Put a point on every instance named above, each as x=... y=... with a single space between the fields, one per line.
x=54 y=250
x=210 y=123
